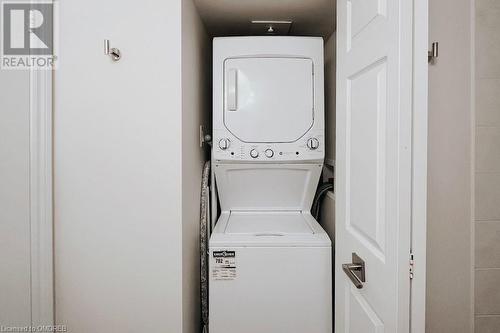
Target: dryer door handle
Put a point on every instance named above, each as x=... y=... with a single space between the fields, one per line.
x=232 y=89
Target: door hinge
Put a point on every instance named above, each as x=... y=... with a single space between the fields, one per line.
x=412 y=264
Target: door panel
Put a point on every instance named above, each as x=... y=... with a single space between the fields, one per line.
x=373 y=175
x=361 y=316
x=362 y=12
x=365 y=146
x=274 y=95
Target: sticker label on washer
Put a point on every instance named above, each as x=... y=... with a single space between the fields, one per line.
x=224 y=265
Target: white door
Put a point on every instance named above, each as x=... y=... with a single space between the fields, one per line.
x=273 y=95
x=374 y=165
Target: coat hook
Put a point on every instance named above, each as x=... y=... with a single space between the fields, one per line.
x=433 y=53
x=113 y=52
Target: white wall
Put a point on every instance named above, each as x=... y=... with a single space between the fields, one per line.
x=449 y=301
x=117 y=167
x=15 y=307
x=196 y=108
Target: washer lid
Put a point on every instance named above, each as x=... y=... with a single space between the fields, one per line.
x=268 y=223
x=268 y=99
x=267 y=187
x=267 y=229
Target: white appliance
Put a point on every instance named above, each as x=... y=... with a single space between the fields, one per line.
x=270 y=262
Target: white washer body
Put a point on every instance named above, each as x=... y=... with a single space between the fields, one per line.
x=281 y=280
x=270 y=265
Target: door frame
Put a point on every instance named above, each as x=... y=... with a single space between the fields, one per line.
x=41 y=197
x=419 y=165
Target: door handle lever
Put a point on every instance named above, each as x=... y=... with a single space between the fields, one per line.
x=355 y=271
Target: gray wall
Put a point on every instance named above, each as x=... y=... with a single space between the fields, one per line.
x=330 y=91
x=196 y=107
x=449 y=273
x=487 y=167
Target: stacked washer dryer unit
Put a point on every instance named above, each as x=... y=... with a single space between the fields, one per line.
x=270 y=261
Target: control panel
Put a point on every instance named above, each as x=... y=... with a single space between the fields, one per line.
x=227 y=147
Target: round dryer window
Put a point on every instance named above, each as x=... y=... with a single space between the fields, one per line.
x=268 y=99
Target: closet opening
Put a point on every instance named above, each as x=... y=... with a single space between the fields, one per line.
x=316 y=19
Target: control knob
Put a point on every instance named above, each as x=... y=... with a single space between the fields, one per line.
x=224 y=144
x=269 y=153
x=313 y=143
x=254 y=153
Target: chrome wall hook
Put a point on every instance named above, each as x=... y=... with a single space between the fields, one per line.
x=114 y=53
x=433 y=53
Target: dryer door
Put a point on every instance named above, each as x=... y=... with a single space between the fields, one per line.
x=268 y=99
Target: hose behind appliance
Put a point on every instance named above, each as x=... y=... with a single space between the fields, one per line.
x=318 y=198
x=204 y=220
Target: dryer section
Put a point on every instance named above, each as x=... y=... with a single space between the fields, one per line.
x=268 y=99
